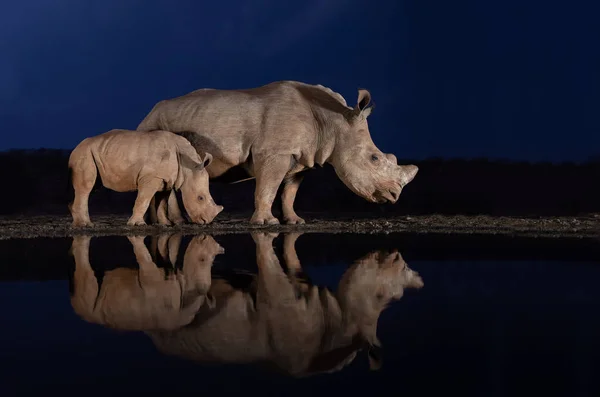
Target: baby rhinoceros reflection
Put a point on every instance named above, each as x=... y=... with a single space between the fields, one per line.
x=298 y=328
x=146 y=298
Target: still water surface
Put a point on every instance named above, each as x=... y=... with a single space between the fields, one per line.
x=294 y=314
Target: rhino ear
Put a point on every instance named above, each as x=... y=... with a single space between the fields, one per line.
x=367 y=111
x=204 y=162
x=364 y=98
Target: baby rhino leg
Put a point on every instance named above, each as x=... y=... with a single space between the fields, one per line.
x=174 y=213
x=83 y=174
x=168 y=211
x=160 y=206
x=147 y=188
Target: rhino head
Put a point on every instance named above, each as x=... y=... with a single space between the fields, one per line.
x=364 y=169
x=367 y=288
x=198 y=260
x=195 y=191
x=373 y=282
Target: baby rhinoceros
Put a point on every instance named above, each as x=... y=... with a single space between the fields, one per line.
x=149 y=163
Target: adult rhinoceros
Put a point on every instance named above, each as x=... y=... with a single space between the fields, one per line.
x=278 y=130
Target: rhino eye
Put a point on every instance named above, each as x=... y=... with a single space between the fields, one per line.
x=374 y=157
x=200 y=198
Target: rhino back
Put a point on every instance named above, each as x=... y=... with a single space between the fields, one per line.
x=276 y=118
x=125 y=302
x=229 y=333
x=123 y=157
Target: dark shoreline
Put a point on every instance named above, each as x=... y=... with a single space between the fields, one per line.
x=25 y=227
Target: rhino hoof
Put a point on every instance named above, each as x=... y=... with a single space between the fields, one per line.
x=135 y=223
x=78 y=225
x=263 y=237
x=296 y=220
x=178 y=221
x=257 y=220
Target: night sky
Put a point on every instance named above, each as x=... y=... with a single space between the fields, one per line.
x=513 y=79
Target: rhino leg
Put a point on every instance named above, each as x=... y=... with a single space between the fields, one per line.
x=149 y=274
x=269 y=172
x=174 y=212
x=152 y=210
x=85 y=283
x=161 y=209
x=290 y=188
x=273 y=286
x=174 y=244
x=292 y=262
x=162 y=246
x=84 y=175
x=146 y=190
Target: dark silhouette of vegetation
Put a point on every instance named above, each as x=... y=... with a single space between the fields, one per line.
x=36 y=182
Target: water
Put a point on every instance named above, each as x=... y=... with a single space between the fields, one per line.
x=496 y=316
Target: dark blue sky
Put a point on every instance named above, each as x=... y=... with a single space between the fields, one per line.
x=512 y=79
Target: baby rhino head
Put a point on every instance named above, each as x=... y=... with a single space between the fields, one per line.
x=195 y=191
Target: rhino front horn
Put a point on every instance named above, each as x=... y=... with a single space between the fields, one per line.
x=408 y=173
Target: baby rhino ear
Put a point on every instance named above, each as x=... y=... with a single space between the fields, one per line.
x=362 y=104
x=204 y=162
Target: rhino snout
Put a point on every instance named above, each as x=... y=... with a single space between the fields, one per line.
x=200 y=221
x=387 y=196
x=217 y=209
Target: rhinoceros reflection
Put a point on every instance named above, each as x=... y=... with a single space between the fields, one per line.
x=147 y=298
x=297 y=328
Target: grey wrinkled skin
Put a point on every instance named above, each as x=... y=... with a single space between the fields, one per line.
x=146 y=298
x=298 y=328
x=150 y=163
x=278 y=130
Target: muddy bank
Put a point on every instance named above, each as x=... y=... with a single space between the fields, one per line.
x=105 y=225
